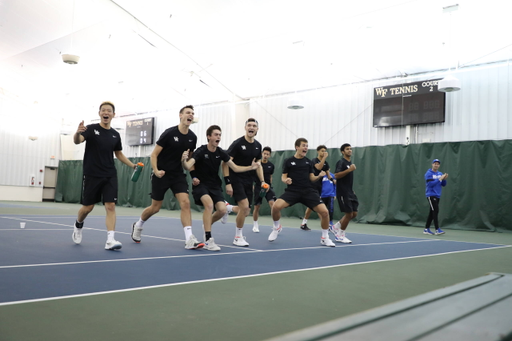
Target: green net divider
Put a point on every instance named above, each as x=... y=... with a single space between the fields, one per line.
x=389 y=183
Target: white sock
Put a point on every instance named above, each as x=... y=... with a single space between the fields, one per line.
x=238 y=232
x=256 y=224
x=188 y=232
x=325 y=233
x=276 y=224
x=110 y=235
x=304 y=221
x=229 y=208
x=140 y=222
x=337 y=225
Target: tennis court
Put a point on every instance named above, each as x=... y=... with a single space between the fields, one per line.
x=51 y=288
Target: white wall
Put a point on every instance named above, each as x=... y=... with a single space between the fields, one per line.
x=482 y=110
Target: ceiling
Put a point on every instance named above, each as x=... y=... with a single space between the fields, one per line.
x=155 y=54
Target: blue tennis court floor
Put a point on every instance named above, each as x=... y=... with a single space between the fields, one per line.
x=41 y=262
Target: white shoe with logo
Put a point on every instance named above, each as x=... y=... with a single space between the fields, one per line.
x=240 y=241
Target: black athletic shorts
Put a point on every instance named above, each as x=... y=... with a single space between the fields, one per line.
x=308 y=197
x=348 y=203
x=95 y=189
x=270 y=195
x=177 y=182
x=242 y=191
x=200 y=190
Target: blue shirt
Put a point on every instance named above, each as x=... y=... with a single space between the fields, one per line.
x=328 y=187
x=434 y=186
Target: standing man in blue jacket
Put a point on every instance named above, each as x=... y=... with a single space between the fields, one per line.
x=435 y=181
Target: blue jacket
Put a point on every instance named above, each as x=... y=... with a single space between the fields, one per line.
x=434 y=186
x=328 y=187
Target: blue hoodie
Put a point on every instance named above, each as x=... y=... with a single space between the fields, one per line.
x=328 y=187
x=434 y=186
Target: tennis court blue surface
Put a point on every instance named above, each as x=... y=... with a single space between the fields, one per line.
x=41 y=261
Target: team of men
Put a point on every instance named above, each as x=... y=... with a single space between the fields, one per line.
x=247 y=176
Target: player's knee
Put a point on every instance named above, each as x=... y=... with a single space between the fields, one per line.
x=246 y=211
x=208 y=207
x=354 y=214
x=110 y=206
x=185 y=205
x=324 y=214
x=222 y=211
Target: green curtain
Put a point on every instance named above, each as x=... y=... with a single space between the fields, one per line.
x=389 y=182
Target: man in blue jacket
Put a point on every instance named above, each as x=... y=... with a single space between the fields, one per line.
x=435 y=181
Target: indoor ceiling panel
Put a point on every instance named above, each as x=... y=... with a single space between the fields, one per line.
x=154 y=54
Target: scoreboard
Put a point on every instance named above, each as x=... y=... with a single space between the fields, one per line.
x=411 y=103
x=140 y=132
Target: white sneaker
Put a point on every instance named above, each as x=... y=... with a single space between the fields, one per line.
x=211 y=246
x=113 y=245
x=77 y=235
x=240 y=241
x=255 y=229
x=136 y=233
x=224 y=218
x=346 y=240
x=340 y=238
x=192 y=243
x=326 y=242
x=274 y=233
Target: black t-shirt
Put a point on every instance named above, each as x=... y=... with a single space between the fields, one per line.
x=99 y=148
x=298 y=170
x=174 y=143
x=243 y=153
x=344 y=185
x=318 y=184
x=268 y=170
x=208 y=163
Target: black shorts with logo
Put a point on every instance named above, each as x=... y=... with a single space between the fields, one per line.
x=348 y=203
x=176 y=182
x=308 y=197
x=242 y=191
x=96 y=189
x=200 y=190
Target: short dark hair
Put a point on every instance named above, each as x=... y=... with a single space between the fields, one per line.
x=267 y=149
x=251 y=120
x=320 y=147
x=108 y=103
x=210 y=130
x=190 y=106
x=299 y=141
x=344 y=145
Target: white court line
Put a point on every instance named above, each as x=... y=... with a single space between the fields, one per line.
x=25 y=229
x=415 y=239
x=102 y=230
x=20 y=217
x=235 y=277
x=208 y=254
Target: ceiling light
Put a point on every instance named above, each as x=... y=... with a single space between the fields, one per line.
x=295 y=104
x=448 y=84
x=70 y=59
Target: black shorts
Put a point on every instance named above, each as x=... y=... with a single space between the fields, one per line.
x=308 y=197
x=348 y=203
x=270 y=195
x=200 y=190
x=242 y=191
x=95 y=189
x=177 y=182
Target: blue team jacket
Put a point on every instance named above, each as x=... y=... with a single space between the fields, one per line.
x=328 y=187
x=434 y=186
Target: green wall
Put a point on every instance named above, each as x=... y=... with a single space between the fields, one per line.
x=389 y=182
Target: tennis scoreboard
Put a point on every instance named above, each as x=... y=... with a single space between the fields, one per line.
x=411 y=103
x=140 y=132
